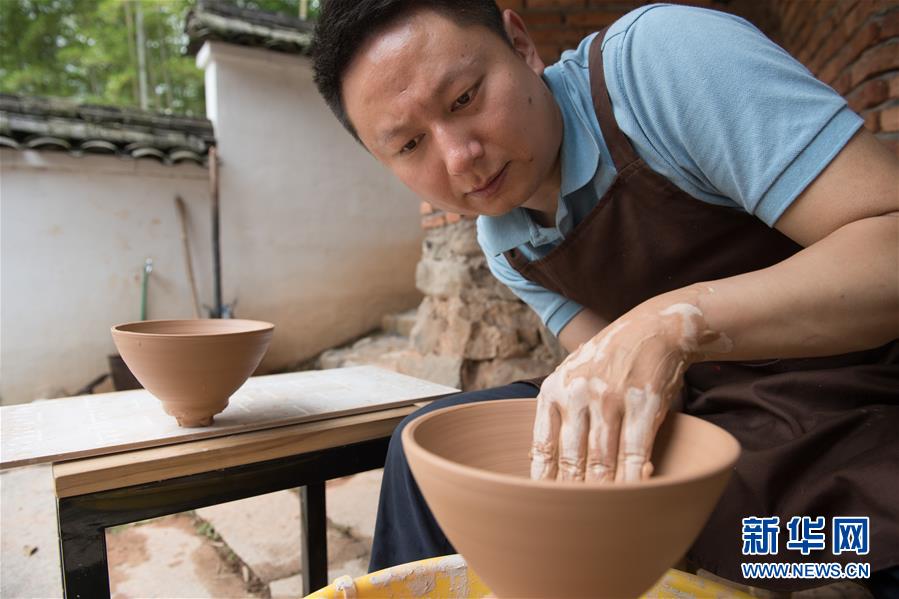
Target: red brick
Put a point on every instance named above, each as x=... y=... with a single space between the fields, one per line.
x=820 y=34
x=433 y=221
x=542 y=18
x=425 y=208
x=889 y=119
x=555 y=3
x=593 y=19
x=563 y=37
x=894 y=85
x=802 y=34
x=791 y=16
x=842 y=8
x=548 y=53
x=876 y=60
x=872 y=121
x=864 y=38
x=830 y=71
x=868 y=94
x=861 y=13
x=625 y=6
x=841 y=84
x=835 y=41
x=861 y=40
x=452 y=217
x=699 y=3
x=890 y=26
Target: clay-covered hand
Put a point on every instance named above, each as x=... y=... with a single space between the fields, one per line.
x=598 y=413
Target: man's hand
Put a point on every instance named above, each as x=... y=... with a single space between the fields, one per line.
x=598 y=413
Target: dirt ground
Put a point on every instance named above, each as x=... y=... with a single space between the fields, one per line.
x=180 y=555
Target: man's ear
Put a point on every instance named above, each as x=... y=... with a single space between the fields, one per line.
x=521 y=41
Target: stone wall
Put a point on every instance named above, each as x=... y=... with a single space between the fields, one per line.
x=471 y=322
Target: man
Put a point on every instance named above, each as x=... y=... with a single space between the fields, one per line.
x=704 y=225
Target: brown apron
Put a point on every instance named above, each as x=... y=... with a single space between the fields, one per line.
x=820 y=436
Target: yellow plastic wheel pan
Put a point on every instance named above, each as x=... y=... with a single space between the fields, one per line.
x=449 y=578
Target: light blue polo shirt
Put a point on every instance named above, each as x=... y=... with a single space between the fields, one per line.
x=707 y=101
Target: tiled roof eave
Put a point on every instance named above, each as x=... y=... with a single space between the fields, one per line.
x=31 y=125
x=212 y=20
x=52 y=124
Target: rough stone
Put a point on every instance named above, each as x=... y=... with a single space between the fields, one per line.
x=476 y=330
x=442 y=278
x=494 y=373
x=460 y=239
x=369 y=350
x=443 y=370
x=399 y=324
x=29 y=546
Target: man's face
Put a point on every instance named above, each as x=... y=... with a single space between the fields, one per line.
x=462 y=118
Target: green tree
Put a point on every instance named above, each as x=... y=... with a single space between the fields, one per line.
x=87 y=50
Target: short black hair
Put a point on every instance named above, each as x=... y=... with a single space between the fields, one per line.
x=345 y=25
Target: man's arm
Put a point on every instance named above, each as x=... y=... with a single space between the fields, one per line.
x=864 y=242
x=580 y=329
x=839 y=294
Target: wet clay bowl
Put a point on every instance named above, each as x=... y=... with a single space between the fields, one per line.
x=529 y=538
x=192 y=366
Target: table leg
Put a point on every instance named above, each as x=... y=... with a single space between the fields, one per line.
x=82 y=551
x=83 y=518
x=315 y=537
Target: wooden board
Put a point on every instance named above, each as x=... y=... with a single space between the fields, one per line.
x=102 y=473
x=90 y=425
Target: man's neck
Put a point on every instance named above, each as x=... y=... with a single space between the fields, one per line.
x=544 y=203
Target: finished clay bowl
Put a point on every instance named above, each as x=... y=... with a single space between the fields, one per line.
x=529 y=538
x=193 y=366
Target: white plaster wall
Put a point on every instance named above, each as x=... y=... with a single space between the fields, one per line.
x=74 y=234
x=317 y=237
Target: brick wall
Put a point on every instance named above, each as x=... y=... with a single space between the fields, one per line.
x=852 y=45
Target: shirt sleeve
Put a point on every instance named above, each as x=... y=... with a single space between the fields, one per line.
x=722 y=111
x=553 y=309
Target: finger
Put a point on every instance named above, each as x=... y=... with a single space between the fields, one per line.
x=642 y=416
x=602 y=440
x=573 y=444
x=544 y=459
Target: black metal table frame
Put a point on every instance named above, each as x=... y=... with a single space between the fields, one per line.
x=83 y=519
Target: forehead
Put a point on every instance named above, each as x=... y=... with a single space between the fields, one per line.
x=403 y=66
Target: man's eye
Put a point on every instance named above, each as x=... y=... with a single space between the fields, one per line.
x=411 y=145
x=463 y=100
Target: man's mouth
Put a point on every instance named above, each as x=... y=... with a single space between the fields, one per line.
x=492 y=185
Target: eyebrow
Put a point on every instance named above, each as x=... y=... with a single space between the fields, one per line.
x=445 y=81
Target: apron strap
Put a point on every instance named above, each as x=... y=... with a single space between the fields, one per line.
x=619 y=145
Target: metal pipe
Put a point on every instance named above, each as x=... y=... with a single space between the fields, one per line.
x=148 y=268
x=216 y=250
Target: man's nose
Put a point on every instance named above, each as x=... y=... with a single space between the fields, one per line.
x=461 y=151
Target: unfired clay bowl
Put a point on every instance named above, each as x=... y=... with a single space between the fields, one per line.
x=529 y=538
x=193 y=366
